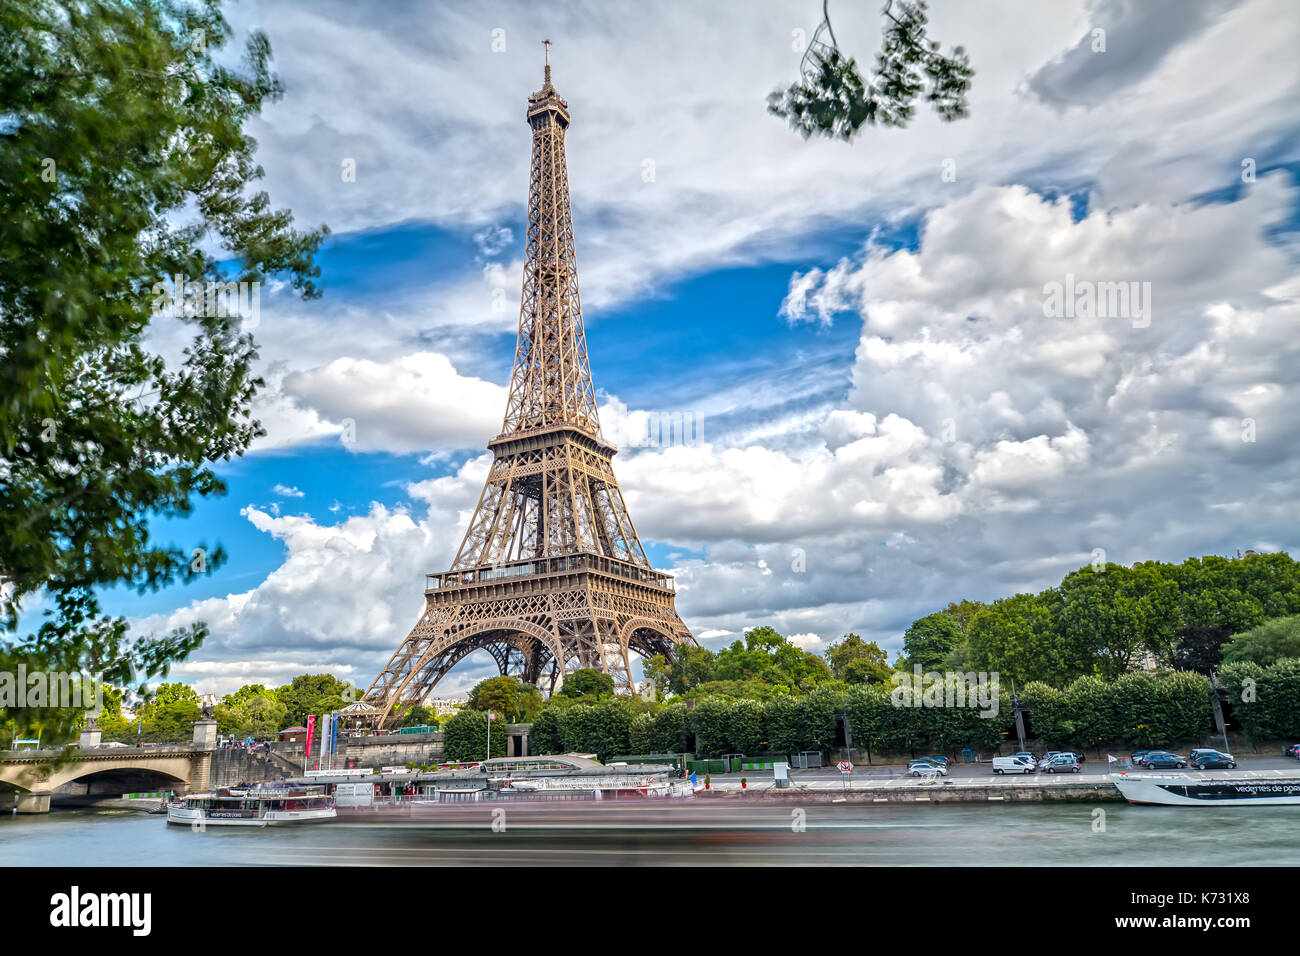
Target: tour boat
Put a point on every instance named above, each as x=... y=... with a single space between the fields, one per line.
x=254 y=807
x=1182 y=790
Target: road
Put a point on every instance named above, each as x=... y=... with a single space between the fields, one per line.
x=828 y=778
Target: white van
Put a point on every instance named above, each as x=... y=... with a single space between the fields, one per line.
x=1013 y=765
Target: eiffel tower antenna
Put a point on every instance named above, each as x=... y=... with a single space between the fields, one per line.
x=550 y=576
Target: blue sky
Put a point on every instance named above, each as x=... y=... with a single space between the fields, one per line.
x=863 y=338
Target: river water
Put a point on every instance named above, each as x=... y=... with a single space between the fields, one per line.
x=952 y=835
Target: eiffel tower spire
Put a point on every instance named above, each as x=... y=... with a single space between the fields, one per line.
x=551 y=383
x=550 y=575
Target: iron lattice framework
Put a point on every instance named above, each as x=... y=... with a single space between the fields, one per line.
x=551 y=575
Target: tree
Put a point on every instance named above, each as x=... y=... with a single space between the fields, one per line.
x=832 y=99
x=765 y=656
x=419 y=716
x=312 y=694
x=170 y=712
x=1017 y=638
x=507 y=696
x=1199 y=648
x=465 y=735
x=260 y=715
x=546 y=736
x=856 y=661
x=670 y=728
x=929 y=640
x=1266 y=644
x=690 y=666
x=588 y=682
x=123 y=164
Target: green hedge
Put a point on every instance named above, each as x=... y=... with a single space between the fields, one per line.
x=1138 y=709
x=1264 y=701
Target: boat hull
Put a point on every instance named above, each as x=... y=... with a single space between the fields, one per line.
x=186 y=816
x=1181 y=790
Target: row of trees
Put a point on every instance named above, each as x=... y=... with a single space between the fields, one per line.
x=1106 y=620
x=169 y=712
x=1139 y=710
x=764 y=663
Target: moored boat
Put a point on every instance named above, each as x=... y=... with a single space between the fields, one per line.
x=1183 y=790
x=253 y=807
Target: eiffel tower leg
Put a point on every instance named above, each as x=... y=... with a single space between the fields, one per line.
x=614 y=658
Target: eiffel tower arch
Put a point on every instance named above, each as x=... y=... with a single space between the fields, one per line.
x=550 y=576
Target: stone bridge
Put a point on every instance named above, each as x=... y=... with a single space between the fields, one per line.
x=29 y=777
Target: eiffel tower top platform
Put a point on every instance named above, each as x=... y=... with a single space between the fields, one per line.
x=550 y=575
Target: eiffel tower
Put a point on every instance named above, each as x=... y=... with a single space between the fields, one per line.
x=551 y=575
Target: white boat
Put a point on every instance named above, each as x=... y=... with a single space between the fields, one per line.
x=1183 y=790
x=254 y=807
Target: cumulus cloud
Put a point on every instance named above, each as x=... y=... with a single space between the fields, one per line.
x=413 y=403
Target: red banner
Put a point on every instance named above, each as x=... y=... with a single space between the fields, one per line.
x=311 y=730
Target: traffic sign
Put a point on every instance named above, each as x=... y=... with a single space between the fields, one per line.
x=845 y=767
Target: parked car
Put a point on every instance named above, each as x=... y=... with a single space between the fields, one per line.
x=1047 y=758
x=1164 y=761
x=1062 y=763
x=1293 y=751
x=1137 y=756
x=939 y=758
x=923 y=766
x=1212 y=760
x=1073 y=753
x=1032 y=758
x=1018 y=763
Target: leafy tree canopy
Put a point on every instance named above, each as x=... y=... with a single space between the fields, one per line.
x=123 y=164
x=833 y=99
x=1268 y=643
x=588 y=682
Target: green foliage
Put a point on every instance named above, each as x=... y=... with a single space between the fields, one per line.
x=508 y=696
x=640 y=738
x=169 y=714
x=419 y=716
x=1158 y=710
x=259 y=714
x=1267 y=643
x=546 y=736
x=465 y=735
x=311 y=694
x=711 y=724
x=1264 y=701
x=856 y=661
x=1105 y=621
x=929 y=640
x=1016 y=638
x=832 y=98
x=670 y=727
x=588 y=682
x=123 y=162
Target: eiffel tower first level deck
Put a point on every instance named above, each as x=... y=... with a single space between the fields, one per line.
x=550 y=576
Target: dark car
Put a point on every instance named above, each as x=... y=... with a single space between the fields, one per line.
x=1213 y=760
x=1164 y=761
x=1293 y=751
x=939 y=758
